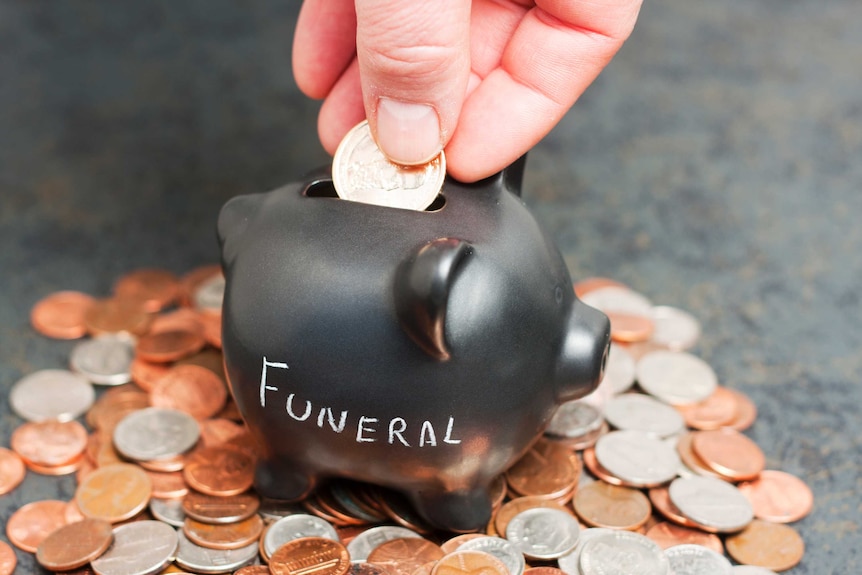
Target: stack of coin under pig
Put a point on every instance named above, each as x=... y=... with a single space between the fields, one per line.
x=164 y=464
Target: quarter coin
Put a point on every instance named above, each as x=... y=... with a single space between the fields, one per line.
x=713 y=504
x=155 y=433
x=676 y=377
x=139 y=547
x=51 y=394
x=637 y=458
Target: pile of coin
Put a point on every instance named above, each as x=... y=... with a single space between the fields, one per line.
x=650 y=474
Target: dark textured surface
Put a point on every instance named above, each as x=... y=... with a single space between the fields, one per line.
x=715 y=165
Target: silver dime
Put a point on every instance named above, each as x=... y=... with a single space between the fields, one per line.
x=690 y=559
x=570 y=562
x=155 y=433
x=674 y=328
x=676 y=377
x=620 y=300
x=751 y=570
x=209 y=295
x=168 y=511
x=139 y=548
x=638 y=458
x=640 y=412
x=574 y=419
x=296 y=527
x=360 y=546
x=711 y=502
x=543 y=533
x=203 y=560
x=362 y=173
x=623 y=553
x=105 y=360
x=52 y=394
x=620 y=370
x=500 y=548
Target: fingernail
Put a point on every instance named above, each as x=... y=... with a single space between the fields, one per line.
x=408 y=133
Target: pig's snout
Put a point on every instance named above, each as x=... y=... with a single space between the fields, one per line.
x=583 y=353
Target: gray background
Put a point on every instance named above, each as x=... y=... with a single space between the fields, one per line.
x=715 y=165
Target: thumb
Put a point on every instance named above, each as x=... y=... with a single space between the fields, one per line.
x=414 y=62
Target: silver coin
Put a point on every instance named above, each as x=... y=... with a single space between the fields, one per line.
x=362 y=173
x=690 y=559
x=619 y=370
x=543 y=533
x=570 y=562
x=618 y=299
x=203 y=560
x=500 y=548
x=574 y=419
x=751 y=570
x=638 y=458
x=105 y=360
x=712 y=503
x=155 y=433
x=209 y=295
x=643 y=413
x=683 y=470
x=623 y=553
x=676 y=377
x=296 y=527
x=52 y=394
x=360 y=546
x=139 y=548
x=168 y=511
x=674 y=328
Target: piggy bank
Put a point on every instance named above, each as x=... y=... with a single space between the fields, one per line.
x=423 y=351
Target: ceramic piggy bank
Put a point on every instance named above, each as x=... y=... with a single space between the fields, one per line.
x=423 y=351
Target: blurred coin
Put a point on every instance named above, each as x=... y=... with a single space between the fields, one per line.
x=592 y=463
x=190 y=282
x=167 y=485
x=470 y=563
x=74 y=545
x=770 y=545
x=155 y=433
x=199 y=559
x=169 y=511
x=192 y=389
x=299 y=526
x=208 y=295
x=51 y=394
x=368 y=540
x=139 y=547
x=500 y=548
x=310 y=554
x=660 y=498
x=717 y=410
x=675 y=329
x=61 y=315
x=713 y=504
x=691 y=559
x=12 y=470
x=629 y=327
x=585 y=286
x=637 y=458
x=220 y=471
x=451 y=545
x=114 y=493
x=182 y=319
x=219 y=432
x=602 y=505
x=574 y=419
x=116 y=316
x=542 y=533
x=746 y=411
x=622 y=552
x=778 y=496
x=511 y=508
x=404 y=555
x=32 y=523
x=104 y=360
x=618 y=299
x=691 y=459
x=50 y=443
x=570 y=563
x=8 y=560
x=362 y=173
x=168 y=346
x=668 y=534
x=547 y=469
x=676 y=377
x=620 y=369
x=213 y=509
x=224 y=535
x=729 y=453
x=154 y=289
x=635 y=411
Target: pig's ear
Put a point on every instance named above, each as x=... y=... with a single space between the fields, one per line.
x=422 y=285
x=233 y=220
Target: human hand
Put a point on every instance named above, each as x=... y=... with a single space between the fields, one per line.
x=485 y=79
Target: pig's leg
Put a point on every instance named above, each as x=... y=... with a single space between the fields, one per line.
x=282 y=480
x=463 y=510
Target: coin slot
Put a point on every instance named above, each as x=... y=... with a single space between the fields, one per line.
x=326 y=189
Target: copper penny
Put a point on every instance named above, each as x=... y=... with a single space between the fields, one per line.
x=770 y=545
x=218 y=432
x=746 y=411
x=213 y=509
x=778 y=496
x=61 y=315
x=74 y=545
x=471 y=563
x=220 y=471
x=116 y=404
x=716 y=411
x=508 y=510
x=404 y=555
x=183 y=319
x=729 y=453
x=155 y=289
x=168 y=485
x=211 y=359
x=629 y=328
x=668 y=534
x=190 y=282
x=114 y=493
x=310 y=556
x=192 y=389
x=212 y=328
x=115 y=316
x=587 y=285
x=147 y=374
x=600 y=504
x=31 y=524
x=451 y=545
x=547 y=469
x=168 y=346
x=8 y=560
x=12 y=470
x=225 y=535
x=49 y=443
x=660 y=498
x=692 y=459
x=65 y=469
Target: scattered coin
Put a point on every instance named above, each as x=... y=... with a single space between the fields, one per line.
x=208 y=295
x=74 y=545
x=746 y=411
x=168 y=346
x=619 y=370
x=403 y=556
x=691 y=559
x=138 y=547
x=50 y=444
x=637 y=458
x=155 y=433
x=8 y=560
x=224 y=535
x=219 y=509
x=542 y=533
x=668 y=534
x=675 y=329
x=717 y=410
x=729 y=453
x=304 y=525
x=104 y=360
x=192 y=389
x=778 y=496
x=220 y=471
x=635 y=411
x=622 y=552
x=547 y=469
x=114 y=493
x=713 y=504
x=362 y=173
x=61 y=315
x=471 y=563
x=619 y=299
x=676 y=377
x=51 y=394
x=770 y=545
x=154 y=289
x=32 y=523
x=168 y=511
x=116 y=316
x=12 y=470
x=310 y=555
x=365 y=542
x=500 y=548
x=602 y=505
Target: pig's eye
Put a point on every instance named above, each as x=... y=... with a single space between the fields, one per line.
x=558 y=294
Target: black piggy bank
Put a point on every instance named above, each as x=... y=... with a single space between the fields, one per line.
x=423 y=351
